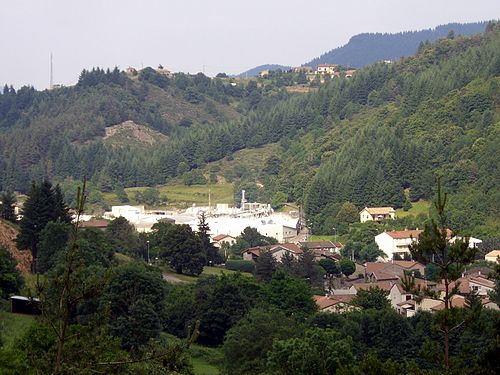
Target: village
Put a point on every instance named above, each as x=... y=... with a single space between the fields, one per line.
x=403 y=280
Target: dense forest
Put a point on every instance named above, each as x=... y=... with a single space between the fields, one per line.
x=379 y=138
x=368 y=48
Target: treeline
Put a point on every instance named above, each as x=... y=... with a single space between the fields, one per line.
x=369 y=48
x=398 y=127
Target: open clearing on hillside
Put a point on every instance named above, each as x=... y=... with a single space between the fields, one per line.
x=180 y=195
x=418 y=208
x=13 y=326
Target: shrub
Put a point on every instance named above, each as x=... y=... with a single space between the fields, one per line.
x=240 y=265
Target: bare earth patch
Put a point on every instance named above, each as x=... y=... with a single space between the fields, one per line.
x=8 y=240
x=129 y=132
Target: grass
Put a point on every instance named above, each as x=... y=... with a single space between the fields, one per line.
x=418 y=208
x=205 y=360
x=201 y=367
x=180 y=195
x=207 y=271
x=13 y=326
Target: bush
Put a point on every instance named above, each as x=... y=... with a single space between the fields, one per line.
x=240 y=265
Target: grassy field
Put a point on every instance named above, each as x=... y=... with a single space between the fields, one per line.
x=207 y=271
x=13 y=326
x=180 y=195
x=420 y=207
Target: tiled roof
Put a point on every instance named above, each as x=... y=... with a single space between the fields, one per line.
x=385 y=285
x=94 y=224
x=493 y=253
x=320 y=244
x=324 y=302
x=221 y=237
x=380 y=210
x=397 y=234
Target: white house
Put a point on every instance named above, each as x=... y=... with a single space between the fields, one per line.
x=376 y=214
x=492 y=256
x=396 y=242
x=329 y=69
x=223 y=238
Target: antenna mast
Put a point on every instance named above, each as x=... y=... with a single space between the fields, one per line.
x=51 y=73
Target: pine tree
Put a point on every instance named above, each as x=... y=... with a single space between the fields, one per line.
x=7 y=202
x=434 y=247
x=44 y=204
x=213 y=257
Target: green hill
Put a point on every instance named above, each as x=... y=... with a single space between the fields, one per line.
x=391 y=128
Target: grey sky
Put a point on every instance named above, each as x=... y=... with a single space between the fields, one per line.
x=192 y=35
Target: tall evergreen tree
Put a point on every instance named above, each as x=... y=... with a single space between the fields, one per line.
x=7 y=202
x=44 y=204
x=208 y=247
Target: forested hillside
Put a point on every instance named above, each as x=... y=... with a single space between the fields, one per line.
x=399 y=126
x=368 y=48
x=379 y=138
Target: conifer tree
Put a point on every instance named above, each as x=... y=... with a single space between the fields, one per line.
x=8 y=200
x=434 y=247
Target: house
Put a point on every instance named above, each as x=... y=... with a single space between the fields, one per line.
x=384 y=285
x=278 y=251
x=223 y=238
x=303 y=69
x=325 y=246
x=377 y=214
x=322 y=254
x=326 y=69
x=264 y=73
x=492 y=256
x=131 y=71
x=163 y=71
x=396 y=243
x=479 y=284
x=394 y=270
x=335 y=303
x=98 y=224
x=349 y=73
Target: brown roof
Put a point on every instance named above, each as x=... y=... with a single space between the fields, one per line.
x=482 y=281
x=166 y=220
x=456 y=301
x=380 y=210
x=221 y=237
x=493 y=253
x=257 y=250
x=94 y=224
x=404 y=233
x=324 y=302
x=289 y=246
x=385 y=285
x=320 y=244
x=408 y=264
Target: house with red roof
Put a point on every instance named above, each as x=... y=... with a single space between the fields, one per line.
x=223 y=238
x=278 y=251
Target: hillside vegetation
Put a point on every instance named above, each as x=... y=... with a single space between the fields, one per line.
x=391 y=129
x=368 y=48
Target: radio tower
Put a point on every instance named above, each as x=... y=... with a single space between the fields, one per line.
x=51 y=73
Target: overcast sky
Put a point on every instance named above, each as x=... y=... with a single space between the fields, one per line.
x=199 y=35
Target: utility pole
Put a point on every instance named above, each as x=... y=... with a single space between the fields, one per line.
x=51 y=73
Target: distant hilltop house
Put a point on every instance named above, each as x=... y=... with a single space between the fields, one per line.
x=303 y=69
x=264 y=73
x=377 y=214
x=162 y=70
x=327 y=69
x=131 y=71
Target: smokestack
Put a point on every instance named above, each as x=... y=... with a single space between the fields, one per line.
x=243 y=200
